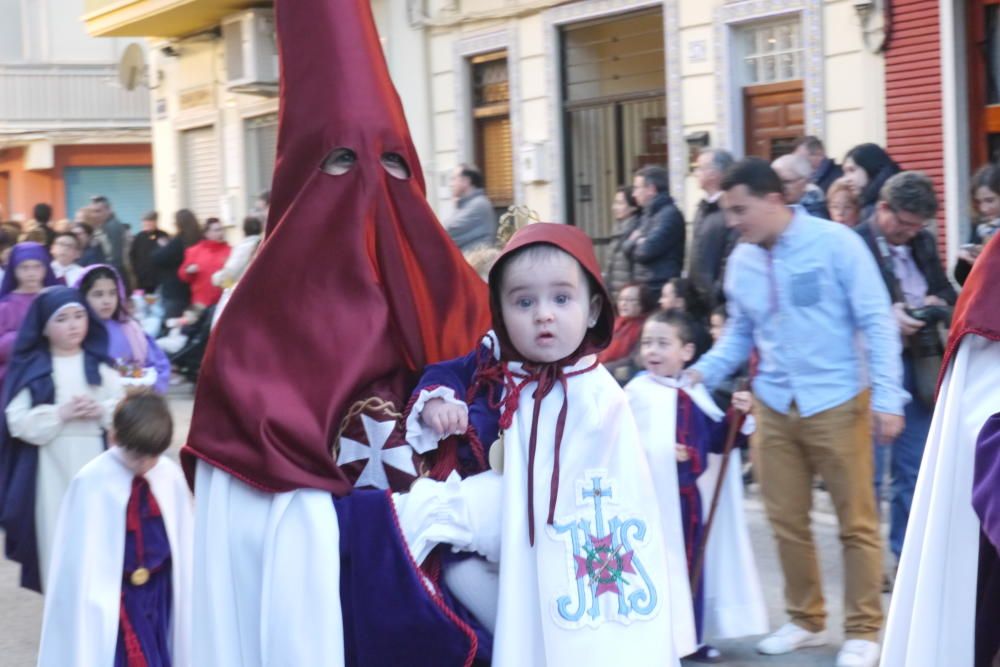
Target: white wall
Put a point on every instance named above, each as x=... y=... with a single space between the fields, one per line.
x=43 y=31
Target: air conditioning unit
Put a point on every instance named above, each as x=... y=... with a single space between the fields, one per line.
x=251 y=54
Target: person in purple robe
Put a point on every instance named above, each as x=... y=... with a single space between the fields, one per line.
x=138 y=358
x=986 y=502
x=58 y=396
x=28 y=272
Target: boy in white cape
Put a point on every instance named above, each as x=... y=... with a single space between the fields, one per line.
x=119 y=588
x=682 y=427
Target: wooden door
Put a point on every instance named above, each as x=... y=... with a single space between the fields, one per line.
x=774 y=118
x=984 y=81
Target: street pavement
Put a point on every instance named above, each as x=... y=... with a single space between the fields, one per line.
x=21 y=611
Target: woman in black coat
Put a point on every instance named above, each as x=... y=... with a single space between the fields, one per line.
x=867 y=167
x=175 y=294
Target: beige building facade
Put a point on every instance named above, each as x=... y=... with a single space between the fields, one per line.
x=558 y=102
x=599 y=88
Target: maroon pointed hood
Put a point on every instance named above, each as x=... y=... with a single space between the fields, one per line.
x=356 y=286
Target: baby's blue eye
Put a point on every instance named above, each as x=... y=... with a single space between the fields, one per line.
x=524 y=303
x=562 y=299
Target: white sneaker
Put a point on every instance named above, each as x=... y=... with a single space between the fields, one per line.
x=791 y=637
x=858 y=653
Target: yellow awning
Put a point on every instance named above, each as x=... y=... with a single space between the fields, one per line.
x=158 y=18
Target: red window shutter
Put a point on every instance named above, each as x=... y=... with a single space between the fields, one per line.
x=913 y=95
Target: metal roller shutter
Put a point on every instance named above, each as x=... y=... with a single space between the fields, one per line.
x=129 y=189
x=913 y=95
x=202 y=174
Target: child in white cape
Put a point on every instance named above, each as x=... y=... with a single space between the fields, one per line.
x=573 y=519
x=683 y=432
x=119 y=591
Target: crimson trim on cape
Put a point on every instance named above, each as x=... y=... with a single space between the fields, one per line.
x=978 y=309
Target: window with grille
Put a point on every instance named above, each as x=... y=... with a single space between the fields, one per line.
x=494 y=152
x=260 y=147
x=772 y=52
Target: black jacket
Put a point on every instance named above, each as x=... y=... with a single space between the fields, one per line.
x=711 y=244
x=962 y=267
x=147 y=275
x=828 y=172
x=925 y=255
x=168 y=260
x=658 y=253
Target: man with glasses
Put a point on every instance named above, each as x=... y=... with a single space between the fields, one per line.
x=906 y=252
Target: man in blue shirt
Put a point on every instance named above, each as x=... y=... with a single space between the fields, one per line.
x=801 y=290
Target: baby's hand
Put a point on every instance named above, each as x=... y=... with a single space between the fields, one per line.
x=445 y=418
x=742 y=401
x=682 y=453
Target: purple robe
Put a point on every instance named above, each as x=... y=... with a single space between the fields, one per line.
x=986 y=501
x=13 y=308
x=484 y=418
x=389 y=617
x=144 y=622
x=702 y=436
x=119 y=348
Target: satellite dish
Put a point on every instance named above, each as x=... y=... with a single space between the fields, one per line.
x=132 y=67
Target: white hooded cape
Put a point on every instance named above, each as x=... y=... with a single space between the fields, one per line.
x=933 y=610
x=83 y=591
x=607 y=528
x=734 y=599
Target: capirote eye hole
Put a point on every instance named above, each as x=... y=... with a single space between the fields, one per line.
x=339 y=161
x=395 y=164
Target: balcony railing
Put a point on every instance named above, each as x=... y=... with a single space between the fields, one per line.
x=52 y=96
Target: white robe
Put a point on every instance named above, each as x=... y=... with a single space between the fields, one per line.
x=932 y=615
x=82 y=602
x=548 y=614
x=734 y=600
x=64 y=447
x=266 y=576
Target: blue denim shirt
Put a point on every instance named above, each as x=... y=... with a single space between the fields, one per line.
x=801 y=303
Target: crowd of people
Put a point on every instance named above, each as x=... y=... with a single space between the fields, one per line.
x=171 y=286
x=443 y=472
x=883 y=304
x=95 y=325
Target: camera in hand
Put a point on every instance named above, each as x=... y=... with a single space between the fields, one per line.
x=926 y=342
x=927 y=350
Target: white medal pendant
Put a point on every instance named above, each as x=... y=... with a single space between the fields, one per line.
x=496 y=455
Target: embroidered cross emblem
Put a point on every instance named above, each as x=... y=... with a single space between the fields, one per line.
x=377 y=433
x=602 y=552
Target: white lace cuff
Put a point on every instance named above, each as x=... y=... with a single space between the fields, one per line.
x=421 y=438
x=462 y=513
